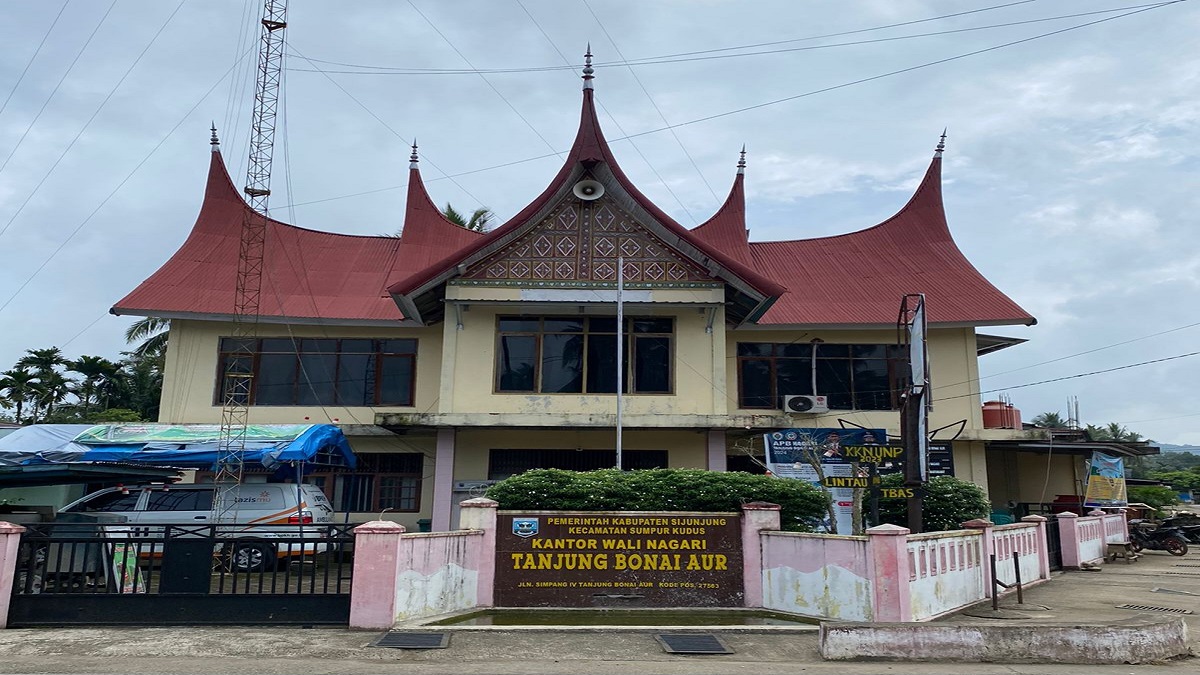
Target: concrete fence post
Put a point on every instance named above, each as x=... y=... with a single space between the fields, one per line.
x=756 y=517
x=480 y=514
x=373 y=594
x=1043 y=543
x=989 y=547
x=887 y=556
x=10 y=539
x=1068 y=537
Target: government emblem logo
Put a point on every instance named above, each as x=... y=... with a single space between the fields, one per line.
x=525 y=527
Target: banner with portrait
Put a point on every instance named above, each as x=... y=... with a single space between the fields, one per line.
x=797 y=453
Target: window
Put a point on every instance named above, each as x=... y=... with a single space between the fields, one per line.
x=505 y=463
x=551 y=355
x=852 y=377
x=308 y=371
x=180 y=500
x=109 y=502
x=382 y=481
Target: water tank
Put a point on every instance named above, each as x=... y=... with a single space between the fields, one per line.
x=1000 y=415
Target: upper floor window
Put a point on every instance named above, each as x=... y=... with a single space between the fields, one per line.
x=852 y=377
x=325 y=371
x=578 y=355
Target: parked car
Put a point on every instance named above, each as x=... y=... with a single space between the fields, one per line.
x=267 y=515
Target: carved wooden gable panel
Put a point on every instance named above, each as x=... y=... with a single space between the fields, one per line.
x=579 y=242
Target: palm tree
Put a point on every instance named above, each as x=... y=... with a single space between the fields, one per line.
x=98 y=375
x=42 y=360
x=479 y=220
x=1113 y=431
x=152 y=332
x=17 y=385
x=1050 y=420
x=51 y=389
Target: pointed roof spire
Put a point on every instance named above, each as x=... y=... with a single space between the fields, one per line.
x=742 y=160
x=941 y=146
x=587 y=68
x=413 y=159
x=216 y=145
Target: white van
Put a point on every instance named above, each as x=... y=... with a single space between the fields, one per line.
x=299 y=512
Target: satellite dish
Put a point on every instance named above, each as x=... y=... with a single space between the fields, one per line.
x=588 y=190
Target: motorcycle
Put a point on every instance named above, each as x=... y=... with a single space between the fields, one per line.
x=1187 y=524
x=1143 y=535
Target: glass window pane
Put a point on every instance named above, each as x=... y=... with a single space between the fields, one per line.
x=180 y=500
x=407 y=346
x=562 y=364
x=868 y=351
x=793 y=377
x=795 y=351
x=871 y=385
x=396 y=375
x=652 y=365
x=754 y=376
x=275 y=382
x=602 y=363
x=355 y=373
x=318 y=375
x=833 y=382
x=241 y=345
x=652 y=325
x=563 y=326
x=111 y=502
x=516 y=362
x=319 y=346
x=358 y=347
x=279 y=346
x=602 y=324
x=754 y=348
x=833 y=351
x=519 y=325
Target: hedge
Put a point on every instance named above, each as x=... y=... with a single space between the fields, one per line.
x=802 y=505
x=948 y=503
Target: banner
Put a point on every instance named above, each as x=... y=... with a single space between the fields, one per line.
x=1106 y=482
x=124 y=434
x=796 y=453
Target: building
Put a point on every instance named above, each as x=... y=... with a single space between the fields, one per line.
x=451 y=358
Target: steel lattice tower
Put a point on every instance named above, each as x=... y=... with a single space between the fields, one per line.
x=238 y=383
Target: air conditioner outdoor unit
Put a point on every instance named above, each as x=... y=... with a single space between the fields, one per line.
x=805 y=404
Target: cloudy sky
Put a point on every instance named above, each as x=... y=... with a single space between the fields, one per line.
x=1070 y=177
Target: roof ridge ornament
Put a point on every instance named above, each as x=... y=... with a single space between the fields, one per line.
x=587 y=68
x=941 y=146
x=216 y=145
x=413 y=159
x=741 y=165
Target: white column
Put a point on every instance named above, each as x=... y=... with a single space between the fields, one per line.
x=443 y=479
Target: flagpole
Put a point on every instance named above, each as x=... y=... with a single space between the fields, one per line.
x=620 y=352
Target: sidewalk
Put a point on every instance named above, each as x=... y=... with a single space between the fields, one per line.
x=1074 y=597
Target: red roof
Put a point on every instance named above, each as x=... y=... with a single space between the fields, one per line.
x=306 y=274
x=320 y=275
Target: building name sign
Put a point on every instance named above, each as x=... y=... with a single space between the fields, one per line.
x=557 y=559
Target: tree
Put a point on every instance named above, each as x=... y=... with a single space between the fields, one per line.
x=947 y=503
x=51 y=389
x=152 y=332
x=479 y=220
x=1180 y=480
x=17 y=385
x=98 y=380
x=1112 y=432
x=1050 y=420
x=42 y=361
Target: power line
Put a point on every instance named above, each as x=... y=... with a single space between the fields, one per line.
x=59 y=84
x=91 y=119
x=686 y=57
x=33 y=58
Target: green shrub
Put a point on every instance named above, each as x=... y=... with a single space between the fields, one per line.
x=1154 y=495
x=948 y=503
x=802 y=505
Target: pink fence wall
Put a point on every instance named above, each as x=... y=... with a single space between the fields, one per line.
x=1085 y=539
x=945 y=571
x=817 y=575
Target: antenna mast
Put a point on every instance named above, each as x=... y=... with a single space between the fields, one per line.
x=238 y=383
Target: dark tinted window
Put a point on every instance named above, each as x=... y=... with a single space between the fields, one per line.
x=180 y=500
x=110 y=501
x=851 y=377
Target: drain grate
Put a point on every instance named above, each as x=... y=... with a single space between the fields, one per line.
x=400 y=640
x=1183 y=574
x=1154 y=608
x=692 y=643
x=1186 y=565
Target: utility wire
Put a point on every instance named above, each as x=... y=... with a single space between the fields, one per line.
x=33 y=58
x=59 y=84
x=119 y=185
x=685 y=58
x=753 y=107
x=91 y=119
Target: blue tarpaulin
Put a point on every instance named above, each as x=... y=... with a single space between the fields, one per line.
x=184 y=446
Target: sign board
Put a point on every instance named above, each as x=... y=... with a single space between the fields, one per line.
x=852 y=482
x=792 y=453
x=618 y=559
x=1106 y=481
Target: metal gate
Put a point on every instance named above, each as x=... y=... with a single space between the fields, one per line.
x=75 y=574
x=1053 y=542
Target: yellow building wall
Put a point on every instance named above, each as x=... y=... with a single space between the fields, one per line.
x=470 y=370
x=189 y=385
x=953 y=375
x=1032 y=477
